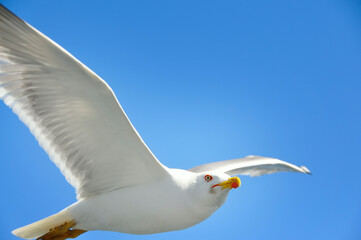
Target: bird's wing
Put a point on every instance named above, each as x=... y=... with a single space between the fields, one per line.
x=71 y=111
x=251 y=165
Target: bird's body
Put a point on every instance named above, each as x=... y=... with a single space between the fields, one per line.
x=121 y=186
x=169 y=203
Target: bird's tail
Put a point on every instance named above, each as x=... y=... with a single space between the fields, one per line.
x=44 y=226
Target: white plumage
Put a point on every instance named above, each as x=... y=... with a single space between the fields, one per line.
x=76 y=118
x=72 y=112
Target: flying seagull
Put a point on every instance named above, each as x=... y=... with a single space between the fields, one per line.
x=76 y=118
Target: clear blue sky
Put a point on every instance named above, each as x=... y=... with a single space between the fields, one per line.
x=213 y=80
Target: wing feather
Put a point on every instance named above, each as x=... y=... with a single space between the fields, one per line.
x=72 y=112
x=252 y=166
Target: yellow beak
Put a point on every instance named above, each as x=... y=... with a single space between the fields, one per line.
x=233 y=182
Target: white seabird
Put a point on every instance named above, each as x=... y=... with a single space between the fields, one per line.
x=120 y=184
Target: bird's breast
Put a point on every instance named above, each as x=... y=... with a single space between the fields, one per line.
x=142 y=209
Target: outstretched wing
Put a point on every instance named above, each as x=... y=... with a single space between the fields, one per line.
x=251 y=165
x=71 y=111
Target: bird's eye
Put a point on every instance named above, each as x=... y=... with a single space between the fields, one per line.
x=208 y=178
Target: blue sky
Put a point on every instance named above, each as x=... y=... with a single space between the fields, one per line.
x=204 y=81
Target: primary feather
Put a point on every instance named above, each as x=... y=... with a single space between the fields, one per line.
x=251 y=165
x=71 y=111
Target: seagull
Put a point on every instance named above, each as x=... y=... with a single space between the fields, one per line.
x=76 y=118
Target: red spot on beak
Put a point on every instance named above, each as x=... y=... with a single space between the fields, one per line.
x=235 y=185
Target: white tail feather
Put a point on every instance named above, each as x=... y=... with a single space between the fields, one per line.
x=39 y=228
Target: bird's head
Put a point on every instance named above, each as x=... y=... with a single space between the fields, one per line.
x=212 y=188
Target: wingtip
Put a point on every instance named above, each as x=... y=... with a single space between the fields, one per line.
x=306 y=170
